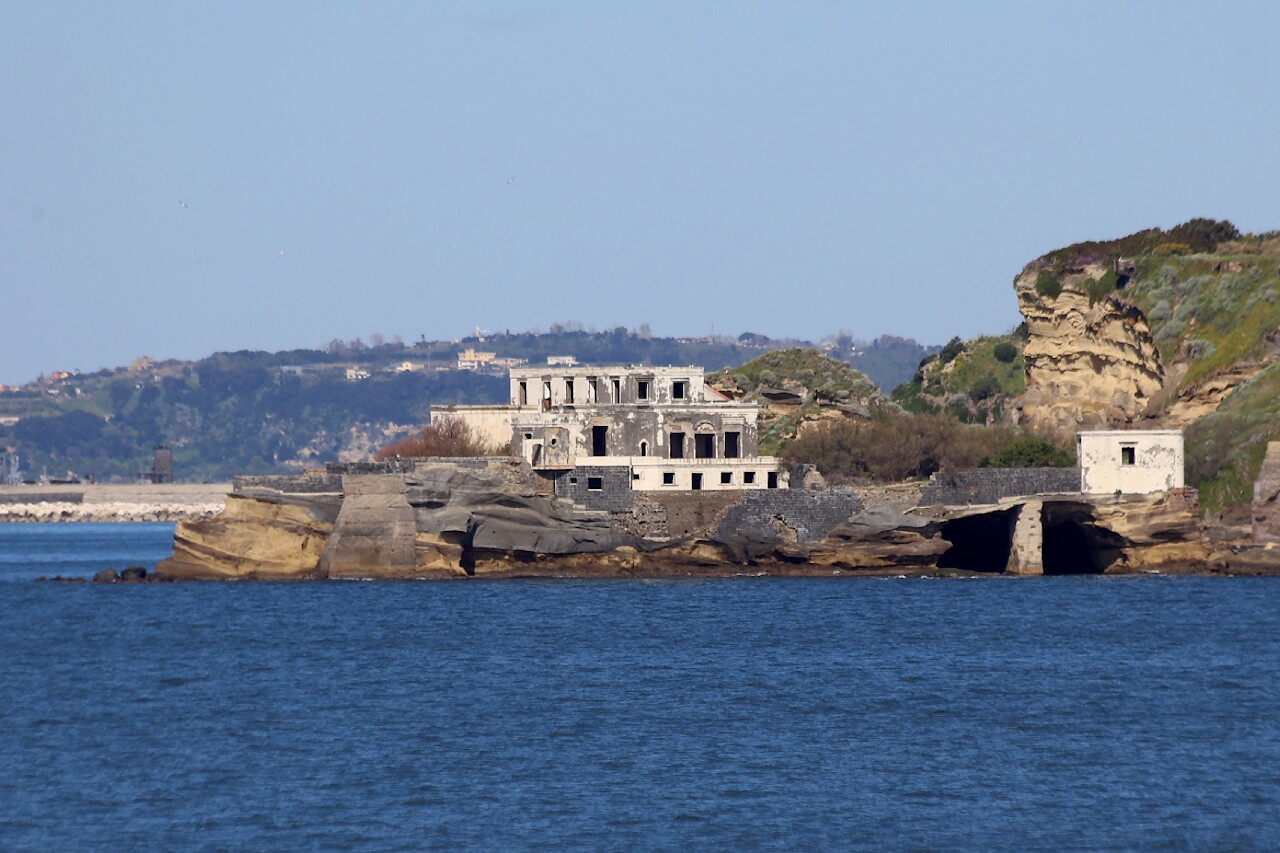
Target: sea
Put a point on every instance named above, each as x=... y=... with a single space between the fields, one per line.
x=1058 y=713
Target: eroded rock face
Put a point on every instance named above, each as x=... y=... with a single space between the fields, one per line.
x=1088 y=366
x=442 y=522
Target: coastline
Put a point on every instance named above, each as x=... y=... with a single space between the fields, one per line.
x=111 y=502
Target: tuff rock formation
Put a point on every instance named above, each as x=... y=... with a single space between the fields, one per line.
x=445 y=521
x=1088 y=366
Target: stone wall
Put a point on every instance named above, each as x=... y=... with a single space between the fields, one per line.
x=808 y=516
x=990 y=485
x=306 y=484
x=613 y=495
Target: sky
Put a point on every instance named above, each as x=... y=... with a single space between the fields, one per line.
x=185 y=178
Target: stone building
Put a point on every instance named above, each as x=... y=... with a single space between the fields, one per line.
x=625 y=429
x=1131 y=462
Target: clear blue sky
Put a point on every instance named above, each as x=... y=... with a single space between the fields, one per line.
x=786 y=168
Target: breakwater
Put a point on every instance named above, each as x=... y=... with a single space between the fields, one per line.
x=110 y=502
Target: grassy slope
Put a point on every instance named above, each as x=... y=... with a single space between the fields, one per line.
x=818 y=378
x=1211 y=303
x=973 y=386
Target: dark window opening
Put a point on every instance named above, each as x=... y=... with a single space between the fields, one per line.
x=617 y=390
x=642 y=389
x=679 y=390
x=668 y=478
x=524 y=393
x=568 y=390
x=704 y=445
x=748 y=477
x=644 y=448
x=599 y=441
x=732 y=447
x=1128 y=456
x=595 y=484
x=773 y=479
x=697 y=482
x=726 y=477
x=677 y=445
x=546 y=396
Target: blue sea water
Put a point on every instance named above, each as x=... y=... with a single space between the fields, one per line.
x=1066 y=713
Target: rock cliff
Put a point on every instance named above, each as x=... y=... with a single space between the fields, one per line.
x=1090 y=363
x=444 y=521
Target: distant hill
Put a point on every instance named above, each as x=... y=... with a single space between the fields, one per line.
x=262 y=412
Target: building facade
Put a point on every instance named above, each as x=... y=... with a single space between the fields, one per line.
x=653 y=428
x=1131 y=462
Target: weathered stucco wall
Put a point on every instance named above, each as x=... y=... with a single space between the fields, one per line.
x=1131 y=462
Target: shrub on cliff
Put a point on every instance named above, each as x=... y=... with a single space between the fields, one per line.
x=893 y=446
x=1028 y=451
x=449 y=437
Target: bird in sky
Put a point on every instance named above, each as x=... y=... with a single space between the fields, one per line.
x=511 y=180
x=181 y=202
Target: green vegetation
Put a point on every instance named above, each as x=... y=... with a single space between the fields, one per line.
x=815 y=380
x=805 y=370
x=972 y=385
x=895 y=445
x=1030 y=451
x=1048 y=285
x=1224 y=450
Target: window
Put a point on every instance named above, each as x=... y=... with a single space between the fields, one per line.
x=642 y=389
x=748 y=477
x=644 y=448
x=595 y=484
x=679 y=390
x=593 y=389
x=668 y=478
x=697 y=482
x=524 y=393
x=599 y=441
x=704 y=446
x=732 y=445
x=617 y=390
x=677 y=445
x=1128 y=455
x=773 y=479
x=568 y=390
x=726 y=477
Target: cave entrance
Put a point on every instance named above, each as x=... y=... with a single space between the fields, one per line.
x=1073 y=544
x=979 y=543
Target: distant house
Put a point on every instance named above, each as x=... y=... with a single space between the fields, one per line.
x=408 y=367
x=470 y=359
x=1130 y=462
x=355 y=374
x=563 y=360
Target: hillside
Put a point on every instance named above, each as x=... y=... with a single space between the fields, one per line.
x=972 y=380
x=797 y=386
x=1161 y=329
x=263 y=412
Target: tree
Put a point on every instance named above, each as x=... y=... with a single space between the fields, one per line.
x=450 y=437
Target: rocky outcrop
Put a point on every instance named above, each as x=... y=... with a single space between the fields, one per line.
x=1088 y=366
x=445 y=521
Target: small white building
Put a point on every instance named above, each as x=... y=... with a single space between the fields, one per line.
x=1131 y=462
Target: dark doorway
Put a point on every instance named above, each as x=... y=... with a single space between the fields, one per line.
x=704 y=446
x=697 y=482
x=979 y=543
x=677 y=445
x=599 y=441
x=1073 y=544
x=732 y=448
